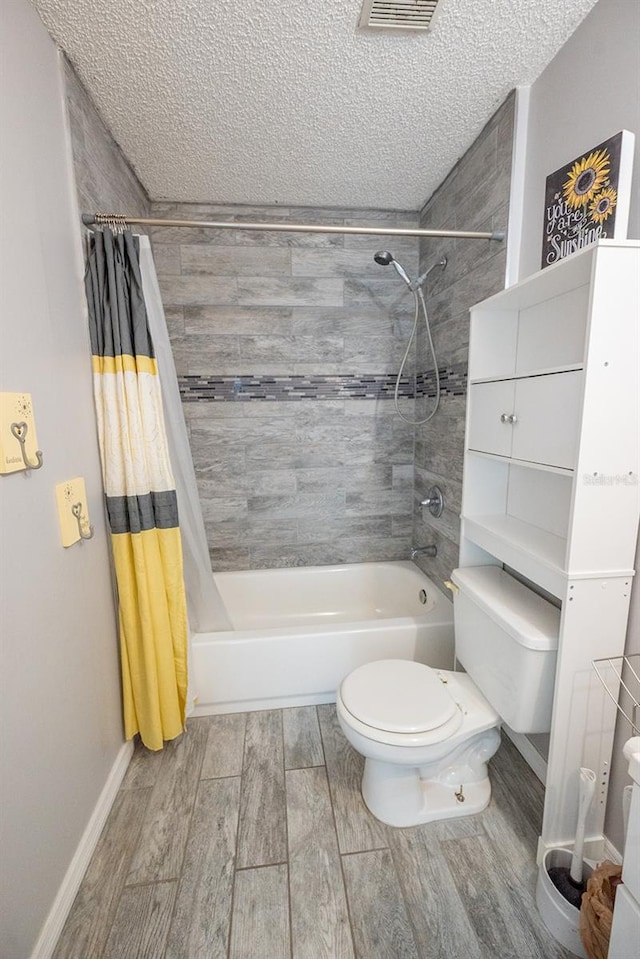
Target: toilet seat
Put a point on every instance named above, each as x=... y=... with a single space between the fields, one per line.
x=399 y=702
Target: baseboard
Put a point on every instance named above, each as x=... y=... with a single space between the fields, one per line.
x=255 y=705
x=57 y=917
x=596 y=849
x=611 y=853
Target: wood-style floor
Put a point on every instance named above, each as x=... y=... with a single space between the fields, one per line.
x=248 y=839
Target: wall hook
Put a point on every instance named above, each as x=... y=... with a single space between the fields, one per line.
x=19 y=430
x=76 y=509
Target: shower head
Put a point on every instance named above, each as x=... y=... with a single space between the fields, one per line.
x=384 y=258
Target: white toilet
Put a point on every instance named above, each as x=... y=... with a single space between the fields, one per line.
x=428 y=734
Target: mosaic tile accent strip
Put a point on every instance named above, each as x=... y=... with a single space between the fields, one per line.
x=453 y=381
x=225 y=389
x=297 y=387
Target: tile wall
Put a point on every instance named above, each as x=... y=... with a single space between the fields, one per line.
x=474 y=196
x=287 y=346
x=105 y=181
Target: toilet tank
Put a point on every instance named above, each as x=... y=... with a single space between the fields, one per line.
x=507 y=640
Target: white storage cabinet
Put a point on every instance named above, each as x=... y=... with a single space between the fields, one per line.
x=550 y=484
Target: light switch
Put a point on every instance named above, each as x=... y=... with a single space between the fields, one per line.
x=71 y=497
x=17 y=432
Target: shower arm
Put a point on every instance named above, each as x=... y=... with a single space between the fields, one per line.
x=120 y=222
x=442 y=263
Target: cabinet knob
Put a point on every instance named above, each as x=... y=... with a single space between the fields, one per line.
x=512 y=418
x=504 y=418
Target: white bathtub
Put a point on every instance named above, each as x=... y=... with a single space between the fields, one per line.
x=298 y=632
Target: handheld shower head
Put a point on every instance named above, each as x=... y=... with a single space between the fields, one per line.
x=384 y=258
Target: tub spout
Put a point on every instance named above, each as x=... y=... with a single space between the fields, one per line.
x=424 y=550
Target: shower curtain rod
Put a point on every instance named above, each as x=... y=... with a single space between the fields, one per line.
x=117 y=219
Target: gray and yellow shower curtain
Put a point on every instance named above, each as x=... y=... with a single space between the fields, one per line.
x=140 y=493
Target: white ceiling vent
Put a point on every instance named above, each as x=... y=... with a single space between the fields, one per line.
x=398 y=14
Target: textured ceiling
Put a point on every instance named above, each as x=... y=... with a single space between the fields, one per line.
x=287 y=102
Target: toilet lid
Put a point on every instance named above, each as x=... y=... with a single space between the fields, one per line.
x=397 y=695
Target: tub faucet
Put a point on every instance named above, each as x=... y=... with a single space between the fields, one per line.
x=426 y=550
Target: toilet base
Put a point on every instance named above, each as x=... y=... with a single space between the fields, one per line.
x=397 y=796
x=407 y=782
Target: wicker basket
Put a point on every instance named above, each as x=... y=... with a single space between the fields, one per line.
x=596 y=913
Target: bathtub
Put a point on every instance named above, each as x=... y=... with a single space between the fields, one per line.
x=299 y=631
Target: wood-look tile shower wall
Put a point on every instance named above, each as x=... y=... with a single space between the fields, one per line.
x=474 y=196
x=286 y=481
x=105 y=181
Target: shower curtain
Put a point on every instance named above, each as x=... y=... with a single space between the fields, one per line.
x=204 y=603
x=141 y=499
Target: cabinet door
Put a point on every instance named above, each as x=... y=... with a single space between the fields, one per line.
x=547 y=410
x=489 y=428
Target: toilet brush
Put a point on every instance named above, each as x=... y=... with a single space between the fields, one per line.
x=569 y=882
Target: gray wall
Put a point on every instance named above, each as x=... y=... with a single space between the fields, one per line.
x=277 y=338
x=588 y=92
x=60 y=705
x=105 y=181
x=474 y=196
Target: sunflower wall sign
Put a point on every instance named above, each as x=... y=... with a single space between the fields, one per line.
x=588 y=199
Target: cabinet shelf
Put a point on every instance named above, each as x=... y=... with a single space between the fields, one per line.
x=534 y=552
x=528 y=464
x=526 y=374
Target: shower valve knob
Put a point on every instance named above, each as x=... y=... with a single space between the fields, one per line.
x=434 y=501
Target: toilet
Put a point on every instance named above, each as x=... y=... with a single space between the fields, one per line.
x=427 y=734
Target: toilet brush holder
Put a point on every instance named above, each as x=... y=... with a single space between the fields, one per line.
x=561 y=918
